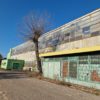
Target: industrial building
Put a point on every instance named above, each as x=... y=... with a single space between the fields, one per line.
x=70 y=52
x=76 y=58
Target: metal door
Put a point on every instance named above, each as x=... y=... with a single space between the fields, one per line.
x=16 y=65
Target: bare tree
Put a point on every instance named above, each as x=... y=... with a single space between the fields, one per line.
x=34 y=25
x=1 y=57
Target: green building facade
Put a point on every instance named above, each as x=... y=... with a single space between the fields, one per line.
x=12 y=64
x=82 y=69
x=75 y=53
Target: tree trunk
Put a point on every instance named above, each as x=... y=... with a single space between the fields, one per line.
x=38 y=60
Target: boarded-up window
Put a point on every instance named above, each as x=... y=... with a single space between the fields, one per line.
x=73 y=69
x=65 y=69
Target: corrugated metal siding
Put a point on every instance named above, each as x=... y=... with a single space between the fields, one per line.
x=45 y=69
x=57 y=70
x=51 y=69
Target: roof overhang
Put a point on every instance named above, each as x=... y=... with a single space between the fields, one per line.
x=72 y=51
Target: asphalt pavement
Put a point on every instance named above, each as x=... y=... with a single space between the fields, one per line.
x=18 y=86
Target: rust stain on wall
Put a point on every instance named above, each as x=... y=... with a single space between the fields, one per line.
x=65 y=69
x=95 y=76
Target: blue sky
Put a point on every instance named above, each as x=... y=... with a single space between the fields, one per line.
x=61 y=11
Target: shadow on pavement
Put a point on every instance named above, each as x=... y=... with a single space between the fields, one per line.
x=12 y=75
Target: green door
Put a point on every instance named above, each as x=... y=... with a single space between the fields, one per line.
x=16 y=65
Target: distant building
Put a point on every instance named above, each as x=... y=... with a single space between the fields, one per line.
x=12 y=64
x=24 y=52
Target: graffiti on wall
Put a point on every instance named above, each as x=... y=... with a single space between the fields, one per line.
x=81 y=68
x=83 y=72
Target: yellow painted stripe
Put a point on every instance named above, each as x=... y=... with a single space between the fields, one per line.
x=80 y=50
